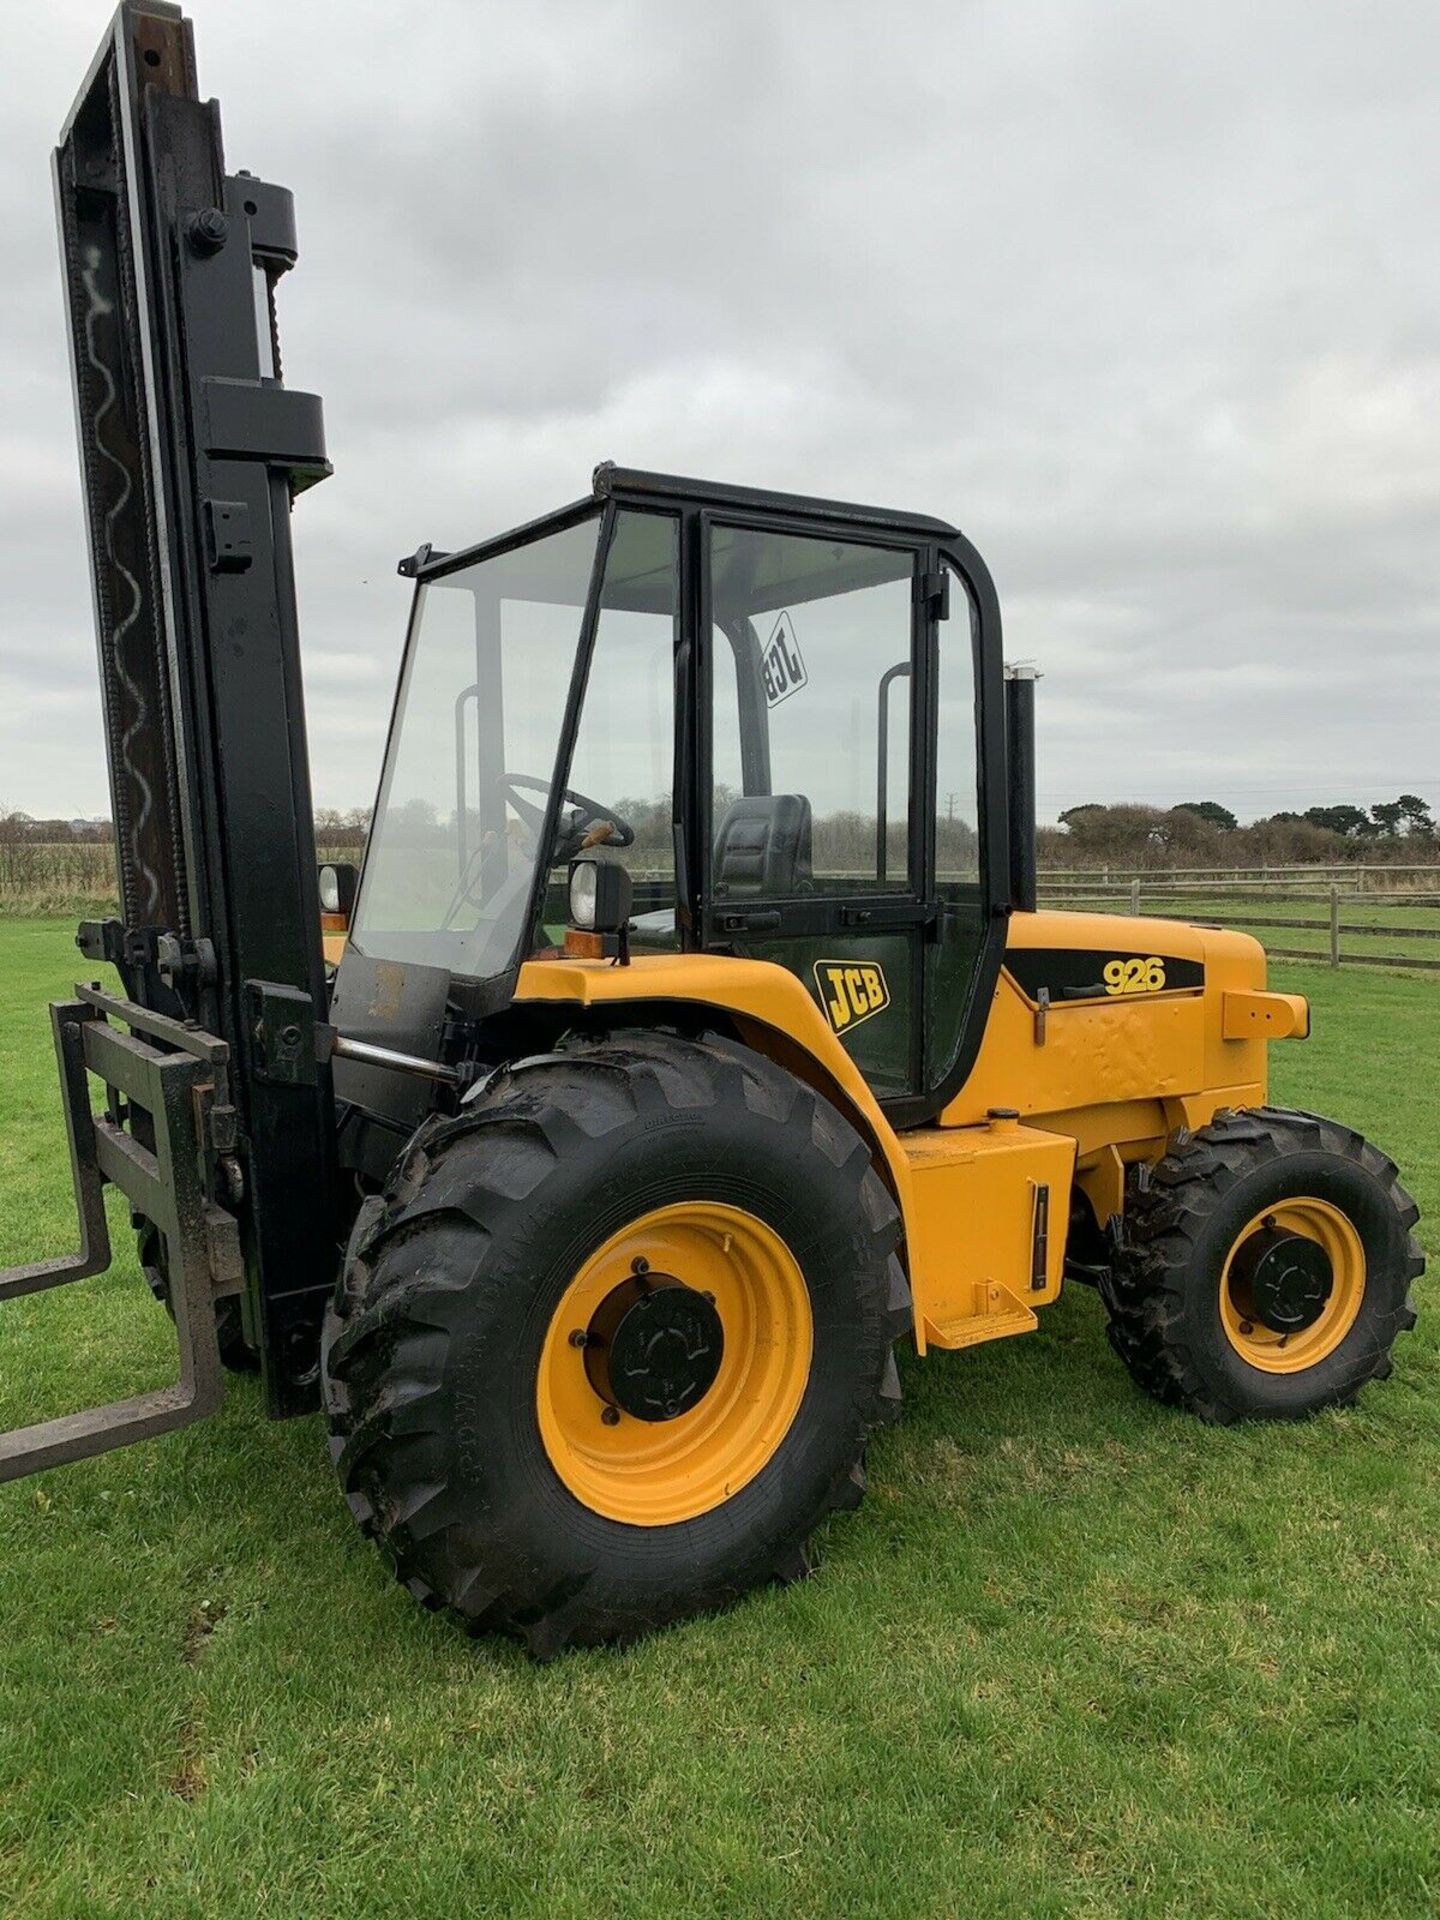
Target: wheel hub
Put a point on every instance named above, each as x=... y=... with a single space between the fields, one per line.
x=654 y=1347
x=1282 y=1279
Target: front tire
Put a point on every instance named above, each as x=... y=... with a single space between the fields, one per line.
x=610 y=1345
x=1264 y=1269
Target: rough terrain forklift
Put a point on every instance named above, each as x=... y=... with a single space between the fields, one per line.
x=692 y=1036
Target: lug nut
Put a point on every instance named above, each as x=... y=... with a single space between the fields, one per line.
x=639 y=1264
x=610 y=1417
x=579 y=1337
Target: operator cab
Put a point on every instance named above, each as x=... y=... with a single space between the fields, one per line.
x=781 y=716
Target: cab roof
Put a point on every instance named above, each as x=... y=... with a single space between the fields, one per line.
x=611 y=482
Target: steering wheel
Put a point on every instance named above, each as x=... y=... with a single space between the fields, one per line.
x=575 y=835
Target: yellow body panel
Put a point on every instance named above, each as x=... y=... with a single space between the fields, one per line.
x=973 y=1231
x=774 y=1005
x=1150 y=1048
x=1119 y=1075
x=1095 y=1084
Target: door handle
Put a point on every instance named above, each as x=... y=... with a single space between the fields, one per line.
x=766 y=920
x=890 y=916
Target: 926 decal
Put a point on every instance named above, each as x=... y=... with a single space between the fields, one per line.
x=1134 y=975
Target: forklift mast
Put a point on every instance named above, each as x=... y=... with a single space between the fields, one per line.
x=192 y=450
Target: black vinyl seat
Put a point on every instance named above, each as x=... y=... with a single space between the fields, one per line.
x=763 y=847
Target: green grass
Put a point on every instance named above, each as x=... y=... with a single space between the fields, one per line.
x=1076 y=1655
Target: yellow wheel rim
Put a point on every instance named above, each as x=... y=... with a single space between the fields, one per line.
x=1264 y=1347
x=655 y=1472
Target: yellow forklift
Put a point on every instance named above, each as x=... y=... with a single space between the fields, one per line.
x=692 y=1035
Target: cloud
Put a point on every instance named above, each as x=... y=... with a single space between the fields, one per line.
x=1146 y=298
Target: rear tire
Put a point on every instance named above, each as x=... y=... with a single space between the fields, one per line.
x=452 y=1323
x=1182 y=1310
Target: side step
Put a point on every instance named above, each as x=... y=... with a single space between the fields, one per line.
x=167 y=1116
x=995 y=1312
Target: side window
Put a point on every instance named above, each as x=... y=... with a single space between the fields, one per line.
x=952 y=959
x=811 y=652
x=624 y=754
x=957 y=784
x=732 y=672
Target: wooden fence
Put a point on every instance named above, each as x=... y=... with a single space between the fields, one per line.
x=1370 y=878
x=54 y=877
x=1167 y=896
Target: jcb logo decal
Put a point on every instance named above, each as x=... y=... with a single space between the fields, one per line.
x=850 y=991
x=781 y=667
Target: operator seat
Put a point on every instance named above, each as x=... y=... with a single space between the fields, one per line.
x=762 y=846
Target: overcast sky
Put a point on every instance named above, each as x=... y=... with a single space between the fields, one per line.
x=1145 y=296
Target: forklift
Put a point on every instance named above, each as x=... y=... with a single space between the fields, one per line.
x=690 y=1035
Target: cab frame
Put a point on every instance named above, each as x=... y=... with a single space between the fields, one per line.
x=417 y=1012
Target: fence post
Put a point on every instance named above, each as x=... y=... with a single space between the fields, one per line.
x=1334 y=926
x=1135 y=897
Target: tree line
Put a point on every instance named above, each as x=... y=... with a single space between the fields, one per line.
x=1196 y=832
x=1205 y=833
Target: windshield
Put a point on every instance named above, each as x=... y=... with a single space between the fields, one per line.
x=451 y=863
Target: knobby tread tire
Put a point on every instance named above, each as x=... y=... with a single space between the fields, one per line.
x=450 y=1280
x=1162 y=1290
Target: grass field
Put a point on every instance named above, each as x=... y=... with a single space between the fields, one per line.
x=1076 y=1655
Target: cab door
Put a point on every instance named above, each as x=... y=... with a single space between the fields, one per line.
x=817 y=644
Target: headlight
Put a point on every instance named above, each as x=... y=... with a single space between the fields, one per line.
x=583 y=889
x=600 y=896
x=338 y=880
